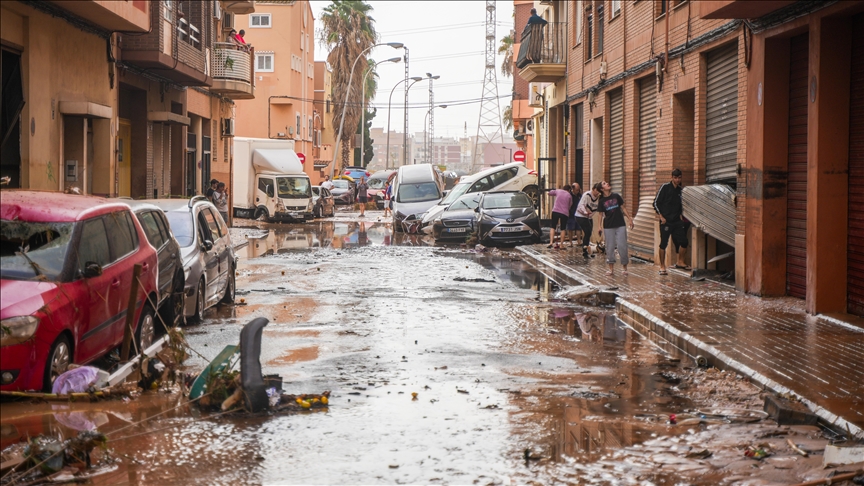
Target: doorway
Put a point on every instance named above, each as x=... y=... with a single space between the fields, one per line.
x=124 y=158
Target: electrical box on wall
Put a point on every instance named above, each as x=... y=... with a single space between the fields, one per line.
x=71 y=171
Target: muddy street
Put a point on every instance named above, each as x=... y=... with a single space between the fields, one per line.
x=445 y=366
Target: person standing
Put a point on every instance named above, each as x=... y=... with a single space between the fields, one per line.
x=669 y=210
x=612 y=218
x=584 y=212
x=572 y=225
x=563 y=198
x=388 y=194
x=362 y=196
x=327 y=184
x=220 y=200
x=211 y=189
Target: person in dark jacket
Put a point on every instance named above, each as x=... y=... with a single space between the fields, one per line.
x=536 y=19
x=669 y=210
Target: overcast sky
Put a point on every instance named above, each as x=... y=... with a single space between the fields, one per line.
x=444 y=38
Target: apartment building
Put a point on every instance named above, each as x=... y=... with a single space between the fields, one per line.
x=380 y=144
x=282 y=33
x=116 y=98
x=323 y=136
x=757 y=101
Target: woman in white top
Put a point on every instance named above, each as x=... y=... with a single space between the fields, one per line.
x=584 y=212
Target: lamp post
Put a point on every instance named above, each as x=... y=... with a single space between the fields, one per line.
x=394 y=45
x=429 y=153
x=363 y=105
x=431 y=127
x=389 y=101
x=511 y=153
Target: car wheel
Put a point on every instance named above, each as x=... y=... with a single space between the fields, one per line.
x=262 y=214
x=200 y=301
x=316 y=212
x=178 y=298
x=59 y=359
x=533 y=193
x=146 y=332
x=230 y=288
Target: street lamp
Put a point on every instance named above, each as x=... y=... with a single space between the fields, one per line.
x=363 y=105
x=429 y=152
x=431 y=127
x=394 y=45
x=389 y=101
x=511 y=153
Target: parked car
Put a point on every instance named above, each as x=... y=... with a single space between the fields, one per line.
x=170 y=278
x=208 y=255
x=507 y=218
x=377 y=183
x=66 y=272
x=457 y=221
x=416 y=188
x=507 y=177
x=322 y=202
x=343 y=191
x=356 y=172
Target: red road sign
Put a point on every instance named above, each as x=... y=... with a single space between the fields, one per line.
x=519 y=156
x=301 y=157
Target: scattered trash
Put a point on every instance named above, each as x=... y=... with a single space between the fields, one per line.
x=756 y=453
x=673 y=419
x=797 y=449
x=839 y=455
x=579 y=293
x=703 y=454
x=464 y=279
x=79 y=380
x=462 y=391
x=701 y=361
x=787 y=410
x=529 y=456
x=413 y=396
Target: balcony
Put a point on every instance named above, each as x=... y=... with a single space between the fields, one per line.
x=740 y=9
x=231 y=70
x=238 y=7
x=111 y=15
x=543 y=52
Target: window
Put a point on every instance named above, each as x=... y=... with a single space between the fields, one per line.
x=298 y=125
x=211 y=223
x=151 y=228
x=204 y=233
x=119 y=227
x=168 y=10
x=266 y=186
x=589 y=31
x=660 y=8
x=599 y=28
x=310 y=128
x=578 y=22
x=259 y=21
x=93 y=246
x=616 y=8
x=302 y=41
x=263 y=63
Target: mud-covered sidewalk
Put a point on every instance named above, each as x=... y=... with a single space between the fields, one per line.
x=771 y=340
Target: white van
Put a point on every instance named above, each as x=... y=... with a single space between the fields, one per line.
x=416 y=188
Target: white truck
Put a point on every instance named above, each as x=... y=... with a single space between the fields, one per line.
x=269 y=182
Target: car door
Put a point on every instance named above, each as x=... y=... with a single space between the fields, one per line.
x=155 y=236
x=95 y=334
x=212 y=269
x=210 y=258
x=123 y=242
x=225 y=261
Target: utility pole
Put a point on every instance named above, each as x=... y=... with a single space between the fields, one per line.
x=489 y=127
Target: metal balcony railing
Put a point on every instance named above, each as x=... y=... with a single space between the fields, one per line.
x=543 y=44
x=232 y=62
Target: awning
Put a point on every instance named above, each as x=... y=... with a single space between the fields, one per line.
x=711 y=208
x=85 y=108
x=168 y=117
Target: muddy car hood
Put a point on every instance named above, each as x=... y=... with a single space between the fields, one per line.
x=461 y=214
x=23 y=297
x=419 y=208
x=505 y=213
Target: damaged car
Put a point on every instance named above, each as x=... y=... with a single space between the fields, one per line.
x=456 y=223
x=507 y=218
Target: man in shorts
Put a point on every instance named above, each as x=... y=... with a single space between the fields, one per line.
x=560 y=211
x=669 y=210
x=362 y=196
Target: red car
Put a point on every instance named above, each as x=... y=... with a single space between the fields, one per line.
x=66 y=266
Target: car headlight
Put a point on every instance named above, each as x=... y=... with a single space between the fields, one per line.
x=310 y=206
x=16 y=330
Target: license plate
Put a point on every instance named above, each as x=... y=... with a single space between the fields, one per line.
x=509 y=229
x=457 y=230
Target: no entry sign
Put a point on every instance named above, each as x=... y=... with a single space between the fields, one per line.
x=519 y=156
x=301 y=157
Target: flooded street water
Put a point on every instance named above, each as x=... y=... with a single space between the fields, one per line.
x=512 y=385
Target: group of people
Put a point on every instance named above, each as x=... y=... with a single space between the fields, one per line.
x=239 y=38
x=361 y=190
x=217 y=193
x=573 y=210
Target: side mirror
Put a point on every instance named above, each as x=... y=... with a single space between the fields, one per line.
x=444 y=194
x=208 y=245
x=92 y=269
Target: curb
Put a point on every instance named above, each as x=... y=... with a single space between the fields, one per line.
x=657 y=329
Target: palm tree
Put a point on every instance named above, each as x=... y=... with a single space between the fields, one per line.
x=506 y=48
x=508 y=117
x=346 y=31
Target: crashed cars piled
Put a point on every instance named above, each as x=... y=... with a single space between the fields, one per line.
x=496 y=218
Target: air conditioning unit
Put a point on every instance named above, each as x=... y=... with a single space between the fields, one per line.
x=529 y=127
x=227 y=21
x=535 y=95
x=217 y=10
x=227 y=127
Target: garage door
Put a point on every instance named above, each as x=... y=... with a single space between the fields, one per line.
x=855 y=283
x=721 y=136
x=642 y=236
x=616 y=140
x=796 y=194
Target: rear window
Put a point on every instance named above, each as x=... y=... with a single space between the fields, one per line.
x=182 y=226
x=151 y=228
x=30 y=249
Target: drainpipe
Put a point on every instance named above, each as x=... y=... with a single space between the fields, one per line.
x=668 y=14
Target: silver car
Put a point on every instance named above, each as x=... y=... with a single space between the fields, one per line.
x=209 y=261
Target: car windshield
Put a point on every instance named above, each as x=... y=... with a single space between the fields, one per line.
x=506 y=200
x=457 y=192
x=424 y=191
x=470 y=201
x=183 y=227
x=341 y=184
x=294 y=187
x=29 y=249
x=377 y=183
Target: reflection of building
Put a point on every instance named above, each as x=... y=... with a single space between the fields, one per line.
x=118 y=98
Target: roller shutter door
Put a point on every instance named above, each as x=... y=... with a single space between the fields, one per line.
x=642 y=236
x=855 y=262
x=796 y=193
x=616 y=141
x=721 y=137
